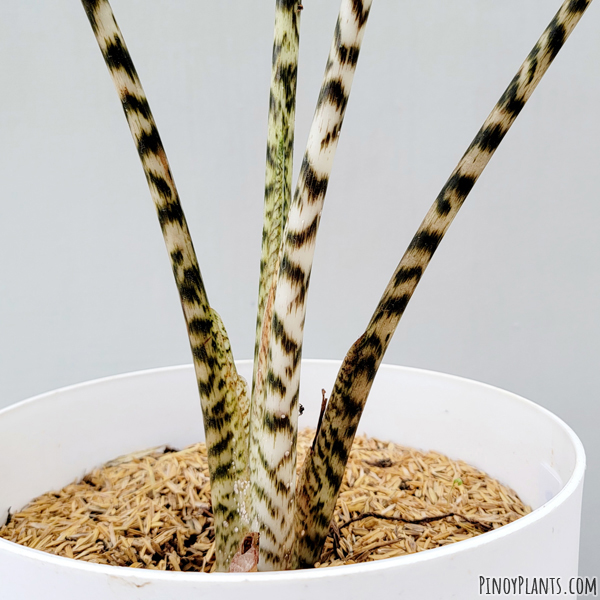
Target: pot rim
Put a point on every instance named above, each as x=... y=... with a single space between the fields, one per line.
x=339 y=571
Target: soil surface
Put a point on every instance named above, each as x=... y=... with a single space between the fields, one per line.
x=152 y=509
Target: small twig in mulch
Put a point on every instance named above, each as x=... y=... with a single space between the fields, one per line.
x=484 y=526
x=383 y=463
x=335 y=537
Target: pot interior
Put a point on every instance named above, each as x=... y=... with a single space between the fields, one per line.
x=50 y=440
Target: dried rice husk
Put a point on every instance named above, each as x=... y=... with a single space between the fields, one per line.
x=152 y=509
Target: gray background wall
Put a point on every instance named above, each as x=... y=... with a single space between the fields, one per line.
x=511 y=298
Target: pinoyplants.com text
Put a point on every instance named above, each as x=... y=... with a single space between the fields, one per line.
x=537 y=586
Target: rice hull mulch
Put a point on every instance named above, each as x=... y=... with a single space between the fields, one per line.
x=152 y=509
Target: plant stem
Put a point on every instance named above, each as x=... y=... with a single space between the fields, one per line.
x=273 y=465
x=278 y=185
x=278 y=176
x=222 y=392
x=324 y=467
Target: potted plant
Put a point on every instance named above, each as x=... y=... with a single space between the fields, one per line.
x=241 y=449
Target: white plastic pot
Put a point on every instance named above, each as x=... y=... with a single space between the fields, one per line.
x=48 y=441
